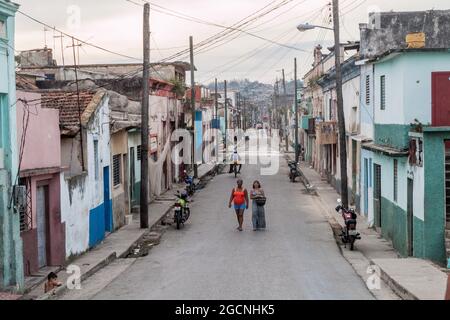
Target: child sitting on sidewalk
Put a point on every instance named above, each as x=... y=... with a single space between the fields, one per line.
x=52 y=282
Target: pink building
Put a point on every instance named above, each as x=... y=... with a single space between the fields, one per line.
x=38 y=136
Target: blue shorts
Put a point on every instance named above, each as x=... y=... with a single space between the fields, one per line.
x=240 y=206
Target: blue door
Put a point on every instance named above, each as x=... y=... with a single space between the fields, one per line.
x=107 y=200
x=366 y=187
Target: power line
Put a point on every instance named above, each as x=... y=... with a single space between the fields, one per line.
x=77 y=39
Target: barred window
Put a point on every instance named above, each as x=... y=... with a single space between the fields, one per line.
x=117 y=177
x=383 y=93
x=368 y=89
x=96 y=163
x=139 y=150
x=25 y=212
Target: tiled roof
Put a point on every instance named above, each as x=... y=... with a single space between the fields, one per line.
x=67 y=103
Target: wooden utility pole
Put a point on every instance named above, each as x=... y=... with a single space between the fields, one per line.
x=61 y=37
x=78 y=104
x=191 y=46
x=216 y=117
x=297 y=151
x=285 y=113
x=145 y=183
x=340 y=106
x=245 y=116
x=226 y=121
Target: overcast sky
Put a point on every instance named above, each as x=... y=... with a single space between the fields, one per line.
x=117 y=25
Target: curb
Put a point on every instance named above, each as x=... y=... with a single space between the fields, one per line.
x=61 y=290
x=105 y=262
x=394 y=285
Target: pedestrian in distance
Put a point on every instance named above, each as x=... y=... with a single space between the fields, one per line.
x=259 y=201
x=239 y=197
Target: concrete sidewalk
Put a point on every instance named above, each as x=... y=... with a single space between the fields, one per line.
x=409 y=278
x=117 y=244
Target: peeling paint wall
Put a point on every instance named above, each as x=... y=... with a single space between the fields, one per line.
x=388 y=30
x=83 y=193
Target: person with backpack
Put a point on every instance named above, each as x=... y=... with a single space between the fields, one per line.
x=258 y=211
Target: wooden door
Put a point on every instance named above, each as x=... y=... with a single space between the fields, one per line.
x=441 y=99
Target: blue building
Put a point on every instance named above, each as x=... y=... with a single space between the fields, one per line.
x=11 y=258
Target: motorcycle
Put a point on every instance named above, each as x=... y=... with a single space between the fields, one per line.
x=181 y=211
x=294 y=173
x=190 y=185
x=349 y=233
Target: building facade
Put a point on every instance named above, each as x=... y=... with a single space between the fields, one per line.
x=11 y=256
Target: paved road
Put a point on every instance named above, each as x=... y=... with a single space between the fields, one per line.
x=296 y=258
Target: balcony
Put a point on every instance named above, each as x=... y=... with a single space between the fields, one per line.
x=326 y=132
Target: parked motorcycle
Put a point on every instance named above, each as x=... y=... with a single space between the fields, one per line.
x=349 y=233
x=294 y=172
x=190 y=185
x=181 y=210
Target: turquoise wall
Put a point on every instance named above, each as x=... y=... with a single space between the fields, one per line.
x=11 y=256
x=434 y=226
x=394 y=225
x=392 y=135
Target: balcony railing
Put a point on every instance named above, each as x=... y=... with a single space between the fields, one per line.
x=326 y=132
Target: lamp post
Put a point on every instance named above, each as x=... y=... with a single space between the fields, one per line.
x=340 y=101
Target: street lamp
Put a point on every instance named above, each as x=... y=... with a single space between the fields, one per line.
x=306 y=26
x=339 y=95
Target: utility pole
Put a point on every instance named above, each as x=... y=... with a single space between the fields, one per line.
x=144 y=122
x=285 y=113
x=297 y=153
x=226 y=122
x=78 y=104
x=62 y=52
x=216 y=118
x=191 y=46
x=245 y=116
x=340 y=106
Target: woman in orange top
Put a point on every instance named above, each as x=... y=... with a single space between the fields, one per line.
x=239 y=196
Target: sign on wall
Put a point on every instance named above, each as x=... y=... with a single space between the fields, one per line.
x=198 y=137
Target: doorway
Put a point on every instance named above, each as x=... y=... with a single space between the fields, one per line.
x=42 y=224
x=410 y=217
x=107 y=200
x=132 y=174
x=354 y=169
x=377 y=196
x=366 y=187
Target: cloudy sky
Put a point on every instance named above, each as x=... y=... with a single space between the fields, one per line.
x=117 y=26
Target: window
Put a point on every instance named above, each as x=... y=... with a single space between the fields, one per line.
x=96 y=164
x=25 y=210
x=139 y=150
x=383 y=93
x=395 y=180
x=117 y=177
x=2 y=29
x=368 y=89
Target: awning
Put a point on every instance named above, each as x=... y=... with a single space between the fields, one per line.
x=361 y=138
x=389 y=151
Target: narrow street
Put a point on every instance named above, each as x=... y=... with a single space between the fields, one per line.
x=295 y=258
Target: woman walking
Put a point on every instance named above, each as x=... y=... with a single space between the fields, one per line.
x=258 y=212
x=239 y=196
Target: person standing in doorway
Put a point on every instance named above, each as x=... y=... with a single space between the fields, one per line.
x=239 y=197
x=258 y=211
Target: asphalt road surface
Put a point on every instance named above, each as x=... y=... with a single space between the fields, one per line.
x=295 y=258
